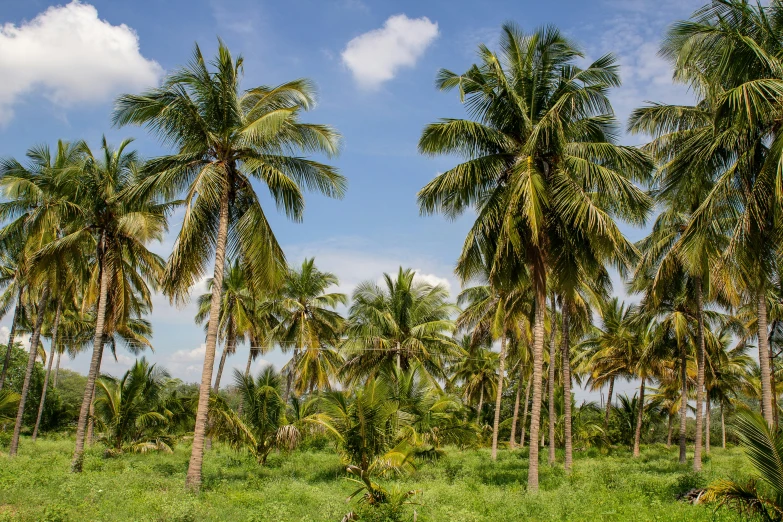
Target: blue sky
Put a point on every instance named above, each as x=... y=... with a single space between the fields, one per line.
x=374 y=64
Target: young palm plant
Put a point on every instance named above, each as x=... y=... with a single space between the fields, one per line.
x=225 y=137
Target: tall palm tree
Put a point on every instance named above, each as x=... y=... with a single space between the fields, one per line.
x=540 y=161
x=603 y=349
x=35 y=209
x=731 y=49
x=236 y=312
x=225 y=137
x=397 y=324
x=477 y=373
x=12 y=273
x=105 y=231
x=311 y=326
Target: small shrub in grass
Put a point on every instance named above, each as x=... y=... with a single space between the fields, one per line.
x=54 y=513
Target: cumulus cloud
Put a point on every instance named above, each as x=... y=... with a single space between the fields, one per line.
x=376 y=56
x=70 y=56
x=23 y=339
x=431 y=279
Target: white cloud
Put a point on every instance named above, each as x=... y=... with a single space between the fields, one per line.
x=376 y=56
x=72 y=57
x=431 y=279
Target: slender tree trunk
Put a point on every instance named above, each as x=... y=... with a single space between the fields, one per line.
x=290 y=378
x=722 y=427
x=538 y=362
x=91 y=418
x=480 y=405
x=766 y=391
x=772 y=385
x=699 y=377
x=30 y=365
x=669 y=432
x=524 y=414
x=57 y=369
x=551 y=392
x=566 y=363
x=11 y=334
x=637 y=438
x=608 y=403
x=220 y=368
x=499 y=396
x=48 y=370
x=97 y=351
x=707 y=415
x=515 y=418
x=193 y=480
x=684 y=404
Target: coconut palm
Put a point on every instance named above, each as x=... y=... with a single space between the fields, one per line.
x=262 y=426
x=397 y=324
x=477 y=374
x=764 y=449
x=12 y=273
x=131 y=412
x=310 y=326
x=35 y=209
x=105 y=232
x=540 y=161
x=236 y=312
x=602 y=351
x=730 y=50
x=225 y=137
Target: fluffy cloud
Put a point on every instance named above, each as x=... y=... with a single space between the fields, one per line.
x=23 y=339
x=72 y=57
x=376 y=56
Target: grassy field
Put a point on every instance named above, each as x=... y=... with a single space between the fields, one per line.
x=312 y=486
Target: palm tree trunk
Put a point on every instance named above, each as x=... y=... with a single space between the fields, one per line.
x=538 y=362
x=608 y=403
x=566 y=364
x=11 y=334
x=707 y=415
x=669 y=432
x=193 y=480
x=220 y=368
x=499 y=396
x=247 y=372
x=766 y=391
x=515 y=418
x=97 y=351
x=637 y=438
x=29 y=372
x=289 y=383
x=57 y=369
x=552 y=359
x=699 y=377
x=684 y=404
x=48 y=370
x=722 y=427
x=480 y=405
x=524 y=415
x=772 y=385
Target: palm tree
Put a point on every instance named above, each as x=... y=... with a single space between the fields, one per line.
x=131 y=411
x=224 y=137
x=310 y=325
x=540 y=162
x=477 y=373
x=602 y=351
x=35 y=209
x=236 y=312
x=730 y=50
x=763 y=448
x=54 y=349
x=398 y=324
x=262 y=426
x=105 y=232
x=12 y=273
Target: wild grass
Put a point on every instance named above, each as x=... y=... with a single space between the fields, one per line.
x=464 y=486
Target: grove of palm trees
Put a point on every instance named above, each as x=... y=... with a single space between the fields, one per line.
x=576 y=374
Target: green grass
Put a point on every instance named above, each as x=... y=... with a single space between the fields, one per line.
x=311 y=486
